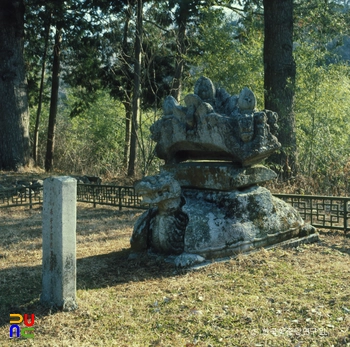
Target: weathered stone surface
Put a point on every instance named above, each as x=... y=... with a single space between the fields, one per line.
x=224 y=223
x=218 y=175
x=215 y=126
x=59 y=243
x=205 y=89
x=213 y=223
x=162 y=228
x=187 y=260
x=140 y=239
x=155 y=189
x=169 y=104
x=246 y=100
x=243 y=139
x=213 y=209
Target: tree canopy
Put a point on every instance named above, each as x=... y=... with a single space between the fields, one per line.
x=181 y=40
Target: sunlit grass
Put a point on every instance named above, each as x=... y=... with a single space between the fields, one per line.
x=294 y=297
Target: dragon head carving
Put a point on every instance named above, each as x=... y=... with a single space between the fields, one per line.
x=159 y=189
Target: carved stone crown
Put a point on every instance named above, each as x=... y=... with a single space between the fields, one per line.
x=215 y=126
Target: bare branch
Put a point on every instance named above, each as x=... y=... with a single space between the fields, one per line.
x=239 y=11
x=157 y=25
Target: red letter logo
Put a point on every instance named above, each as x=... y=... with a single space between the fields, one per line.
x=32 y=318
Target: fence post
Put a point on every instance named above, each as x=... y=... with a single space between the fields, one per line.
x=311 y=211
x=30 y=199
x=92 y=191
x=59 y=243
x=120 y=198
x=346 y=216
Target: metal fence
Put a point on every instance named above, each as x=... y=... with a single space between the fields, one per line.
x=21 y=196
x=120 y=196
x=329 y=212
x=320 y=211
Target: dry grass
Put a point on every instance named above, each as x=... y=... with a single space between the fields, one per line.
x=297 y=297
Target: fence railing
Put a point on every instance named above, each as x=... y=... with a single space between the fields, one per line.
x=329 y=212
x=120 y=196
x=320 y=211
x=21 y=196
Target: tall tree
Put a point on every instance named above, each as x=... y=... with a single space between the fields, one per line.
x=14 y=115
x=125 y=53
x=41 y=88
x=279 y=79
x=137 y=89
x=76 y=30
x=54 y=99
x=183 y=12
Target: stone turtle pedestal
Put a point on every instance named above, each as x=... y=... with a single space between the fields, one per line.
x=226 y=223
x=226 y=214
x=207 y=199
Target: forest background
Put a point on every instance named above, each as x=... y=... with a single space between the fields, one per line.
x=81 y=60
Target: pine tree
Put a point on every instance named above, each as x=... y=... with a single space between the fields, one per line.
x=14 y=115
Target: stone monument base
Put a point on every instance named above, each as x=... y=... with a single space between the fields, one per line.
x=225 y=223
x=197 y=261
x=211 y=223
x=218 y=175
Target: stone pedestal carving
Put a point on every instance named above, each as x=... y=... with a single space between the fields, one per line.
x=207 y=202
x=218 y=175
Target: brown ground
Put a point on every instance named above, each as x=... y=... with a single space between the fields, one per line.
x=294 y=297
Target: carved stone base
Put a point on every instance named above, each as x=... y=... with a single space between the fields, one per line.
x=215 y=224
x=196 y=261
x=218 y=175
x=225 y=223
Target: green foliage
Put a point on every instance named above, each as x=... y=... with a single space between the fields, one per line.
x=147 y=162
x=322 y=109
x=230 y=56
x=227 y=49
x=92 y=142
x=320 y=20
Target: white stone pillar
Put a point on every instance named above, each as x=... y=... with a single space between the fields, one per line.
x=59 y=243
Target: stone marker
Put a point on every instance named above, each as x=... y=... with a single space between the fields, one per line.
x=59 y=243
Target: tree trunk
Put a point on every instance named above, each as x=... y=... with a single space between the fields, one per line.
x=128 y=112
x=14 y=115
x=53 y=102
x=279 y=78
x=137 y=91
x=126 y=71
x=40 y=101
x=180 y=60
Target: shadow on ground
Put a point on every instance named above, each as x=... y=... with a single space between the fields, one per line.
x=27 y=226
x=336 y=240
x=20 y=287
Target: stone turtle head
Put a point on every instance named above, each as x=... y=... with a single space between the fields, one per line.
x=158 y=188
